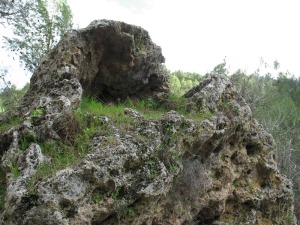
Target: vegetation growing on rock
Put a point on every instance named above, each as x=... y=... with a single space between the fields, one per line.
x=136 y=155
x=121 y=161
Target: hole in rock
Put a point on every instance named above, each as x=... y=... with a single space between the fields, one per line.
x=251 y=149
x=69 y=209
x=221 y=126
x=249 y=204
x=109 y=95
x=114 y=172
x=263 y=185
x=218 y=174
x=234 y=156
x=64 y=203
x=89 y=56
x=114 y=83
x=207 y=221
x=238 y=129
x=5 y=142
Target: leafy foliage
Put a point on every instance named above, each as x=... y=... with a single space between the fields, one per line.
x=11 y=96
x=11 y=122
x=37 y=27
x=36 y=35
x=13 y=11
x=290 y=86
x=180 y=82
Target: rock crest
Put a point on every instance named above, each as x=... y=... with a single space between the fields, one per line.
x=107 y=60
x=219 y=169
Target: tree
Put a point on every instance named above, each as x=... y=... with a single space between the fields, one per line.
x=37 y=26
x=14 y=10
x=259 y=91
x=11 y=96
x=40 y=31
x=181 y=82
x=175 y=85
x=289 y=85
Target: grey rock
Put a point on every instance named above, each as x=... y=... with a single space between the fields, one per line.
x=168 y=170
x=108 y=60
x=132 y=113
x=33 y=157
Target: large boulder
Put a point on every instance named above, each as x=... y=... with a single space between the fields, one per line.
x=108 y=60
x=214 y=165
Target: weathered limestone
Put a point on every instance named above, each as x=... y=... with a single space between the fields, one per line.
x=219 y=169
x=108 y=60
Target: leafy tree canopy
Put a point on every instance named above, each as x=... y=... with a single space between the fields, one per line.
x=180 y=82
x=14 y=10
x=38 y=33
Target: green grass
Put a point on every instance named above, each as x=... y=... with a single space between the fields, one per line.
x=289 y=219
x=62 y=156
x=97 y=198
x=12 y=121
x=25 y=142
x=83 y=123
x=153 y=167
x=64 y=153
x=38 y=112
x=94 y=107
x=148 y=107
x=15 y=171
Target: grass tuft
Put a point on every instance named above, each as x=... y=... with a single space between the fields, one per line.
x=11 y=122
x=76 y=129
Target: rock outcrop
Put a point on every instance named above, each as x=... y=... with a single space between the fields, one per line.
x=216 y=165
x=108 y=60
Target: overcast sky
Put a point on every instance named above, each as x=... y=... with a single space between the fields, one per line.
x=196 y=35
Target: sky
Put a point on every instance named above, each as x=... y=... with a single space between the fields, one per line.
x=196 y=35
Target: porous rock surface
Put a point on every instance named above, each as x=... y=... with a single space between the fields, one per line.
x=108 y=60
x=217 y=169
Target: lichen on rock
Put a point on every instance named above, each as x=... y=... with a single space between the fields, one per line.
x=127 y=168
